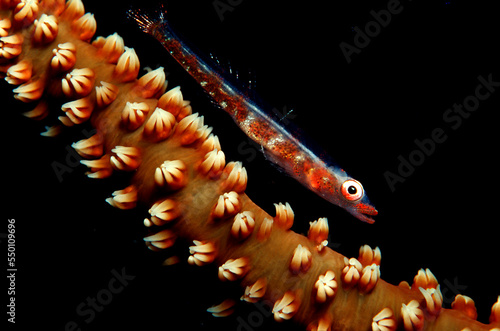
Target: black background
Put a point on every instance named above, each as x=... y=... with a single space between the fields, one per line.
x=365 y=114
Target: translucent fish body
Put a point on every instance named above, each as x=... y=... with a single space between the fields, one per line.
x=278 y=144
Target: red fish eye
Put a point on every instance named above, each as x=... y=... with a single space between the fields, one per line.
x=352 y=190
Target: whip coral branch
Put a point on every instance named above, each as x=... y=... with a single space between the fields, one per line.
x=173 y=165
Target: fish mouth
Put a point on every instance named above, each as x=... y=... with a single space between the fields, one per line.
x=364 y=212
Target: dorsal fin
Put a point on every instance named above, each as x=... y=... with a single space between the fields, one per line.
x=245 y=79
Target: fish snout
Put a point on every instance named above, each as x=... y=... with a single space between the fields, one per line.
x=363 y=212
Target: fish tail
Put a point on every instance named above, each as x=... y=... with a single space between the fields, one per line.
x=148 y=21
x=203 y=70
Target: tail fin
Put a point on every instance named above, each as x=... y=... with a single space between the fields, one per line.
x=148 y=21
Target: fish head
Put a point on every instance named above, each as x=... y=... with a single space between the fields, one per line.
x=354 y=200
x=335 y=186
x=348 y=193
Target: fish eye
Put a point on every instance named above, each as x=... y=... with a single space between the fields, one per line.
x=352 y=190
